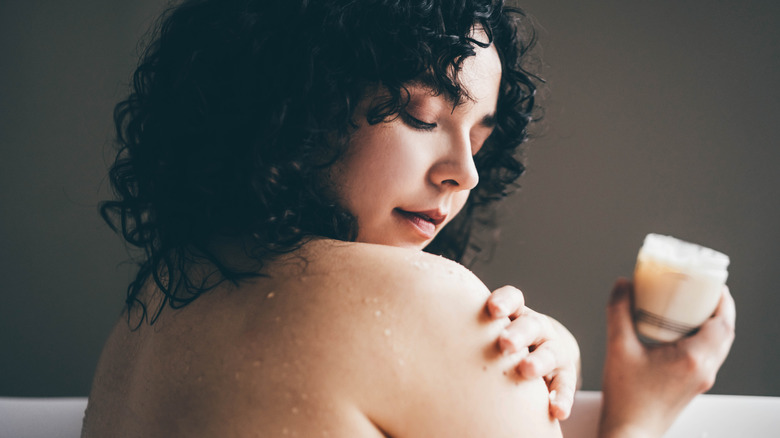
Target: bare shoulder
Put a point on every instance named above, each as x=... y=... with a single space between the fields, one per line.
x=412 y=331
x=340 y=339
x=390 y=271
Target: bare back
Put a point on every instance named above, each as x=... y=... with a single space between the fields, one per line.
x=340 y=340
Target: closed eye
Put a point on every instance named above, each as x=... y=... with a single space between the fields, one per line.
x=477 y=145
x=416 y=123
x=485 y=128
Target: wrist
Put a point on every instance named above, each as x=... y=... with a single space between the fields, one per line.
x=607 y=430
x=629 y=420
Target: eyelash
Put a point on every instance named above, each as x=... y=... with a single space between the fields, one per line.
x=417 y=123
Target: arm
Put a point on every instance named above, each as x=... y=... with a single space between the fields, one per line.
x=453 y=380
x=555 y=353
x=646 y=387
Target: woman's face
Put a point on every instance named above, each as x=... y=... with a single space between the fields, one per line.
x=405 y=179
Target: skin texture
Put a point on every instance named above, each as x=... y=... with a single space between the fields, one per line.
x=343 y=339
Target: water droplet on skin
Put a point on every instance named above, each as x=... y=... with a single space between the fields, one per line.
x=420 y=265
x=285 y=431
x=401 y=362
x=378 y=313
x=294 y=410
x=270 y=295
x=387 y=332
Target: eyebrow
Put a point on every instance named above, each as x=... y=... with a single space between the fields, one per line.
x=427 y=81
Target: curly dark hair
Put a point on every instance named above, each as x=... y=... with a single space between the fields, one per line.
x=238 y=107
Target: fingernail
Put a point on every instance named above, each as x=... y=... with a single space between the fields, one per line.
x=530 y=368
x=499 y=307
x=562 y=407
x=505 y=344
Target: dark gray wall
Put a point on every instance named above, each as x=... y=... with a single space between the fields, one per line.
x=63 y=66
x=660 y=117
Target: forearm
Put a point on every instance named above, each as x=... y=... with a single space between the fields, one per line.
x=624 y=418
x=626 y=431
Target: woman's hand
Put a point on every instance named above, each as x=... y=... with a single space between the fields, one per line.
x=554 y=353
x=647 y=386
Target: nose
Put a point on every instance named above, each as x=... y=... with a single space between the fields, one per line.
x=456 y=169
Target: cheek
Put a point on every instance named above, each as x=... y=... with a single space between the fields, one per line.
x=386 y=158
x=362 y=176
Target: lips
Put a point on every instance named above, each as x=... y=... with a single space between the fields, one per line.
x=424 y=221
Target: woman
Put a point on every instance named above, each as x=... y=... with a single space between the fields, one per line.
x=283 y=164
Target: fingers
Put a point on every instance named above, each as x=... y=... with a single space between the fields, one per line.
x=726 y=308
x=506 y=301
x=542 y=361
x=562 y=388
x=550 y=351
x=551 y=361
x=708 y=348
x=720 y=328
x=523 y=332
x=718 y=331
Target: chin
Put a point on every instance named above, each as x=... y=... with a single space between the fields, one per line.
x=398 y=243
